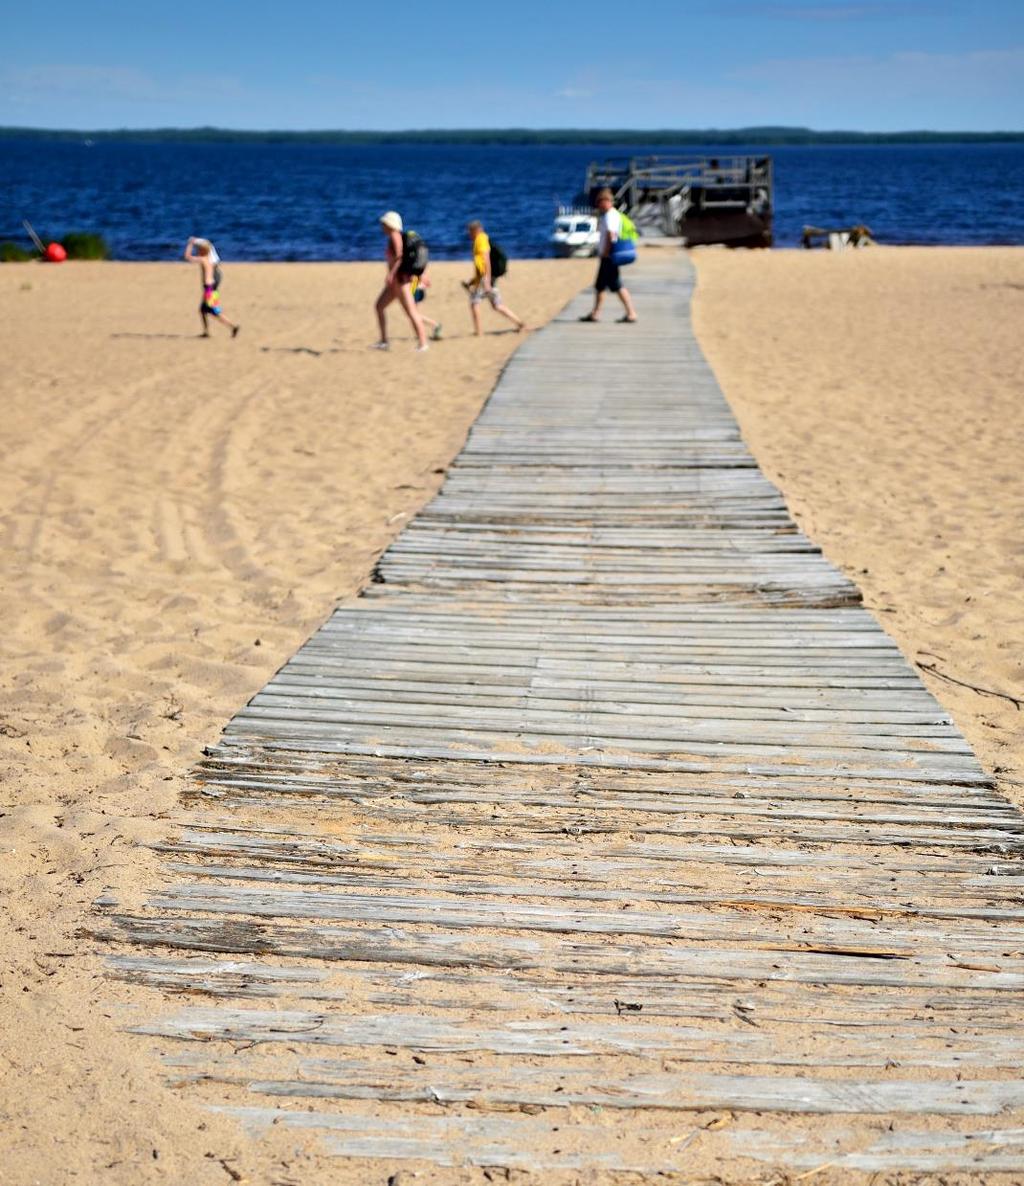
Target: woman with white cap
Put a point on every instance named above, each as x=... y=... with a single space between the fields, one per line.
x=398 y=285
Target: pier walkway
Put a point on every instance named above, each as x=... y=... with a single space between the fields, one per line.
x=606 y=831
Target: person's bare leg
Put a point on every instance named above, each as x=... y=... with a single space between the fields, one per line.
x=230 y=324
x=385 y=299
x=598 y=302
x=206 y=328
x=408 y=302
x=474 y=308
x=627 y=303
x=505 y=311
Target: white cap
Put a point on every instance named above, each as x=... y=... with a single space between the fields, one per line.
x=392 y=220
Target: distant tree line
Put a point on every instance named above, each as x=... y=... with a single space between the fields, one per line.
x=614 y=137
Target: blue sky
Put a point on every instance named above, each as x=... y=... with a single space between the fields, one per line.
x=893 y=64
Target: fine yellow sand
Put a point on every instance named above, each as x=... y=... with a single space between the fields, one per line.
x=176 y=517
x=883 y=391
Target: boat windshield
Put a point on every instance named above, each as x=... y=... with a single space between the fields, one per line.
x=562 y=225
x=584 y=226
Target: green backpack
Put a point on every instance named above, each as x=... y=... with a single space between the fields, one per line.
x=628 y=232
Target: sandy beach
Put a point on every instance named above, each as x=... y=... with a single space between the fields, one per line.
x=178 y=515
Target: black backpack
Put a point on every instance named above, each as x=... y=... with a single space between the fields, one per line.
x=499 y=262
x=415 y=255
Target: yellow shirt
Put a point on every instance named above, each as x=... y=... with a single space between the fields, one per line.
x=481 y=254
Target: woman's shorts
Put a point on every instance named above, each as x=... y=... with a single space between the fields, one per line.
x=608 y=276
x=210 y=302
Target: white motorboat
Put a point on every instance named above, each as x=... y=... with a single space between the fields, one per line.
x=575 y=232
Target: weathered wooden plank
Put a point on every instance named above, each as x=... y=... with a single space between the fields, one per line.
x=646 y=722
x=525 y=1142
x=794 y=1007
x=721 y=675
x=971 y=1152
x=881 y=809
x=235 y=754
x=571 y=698
x=866 y=903
x=800 y=963
x=571 y=1039
x=583 y=753
x=326 y=1079
x=456 y=1141
x=679 y=858
x=325 y=730
x=729 y=924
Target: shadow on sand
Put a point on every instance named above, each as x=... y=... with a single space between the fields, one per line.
x=182 y=337
x=295 y=350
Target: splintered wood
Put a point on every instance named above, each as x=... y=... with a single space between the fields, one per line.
x=606 y=806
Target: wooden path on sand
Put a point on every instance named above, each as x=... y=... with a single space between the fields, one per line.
x=605 y=831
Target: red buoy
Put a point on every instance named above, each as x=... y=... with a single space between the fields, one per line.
x=56 y=254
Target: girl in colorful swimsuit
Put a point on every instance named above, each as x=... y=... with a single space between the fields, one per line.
x=203 y=252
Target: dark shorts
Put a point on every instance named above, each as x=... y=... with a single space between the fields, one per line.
x=608 y=276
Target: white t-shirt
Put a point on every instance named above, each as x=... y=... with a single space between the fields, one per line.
x=610 y=223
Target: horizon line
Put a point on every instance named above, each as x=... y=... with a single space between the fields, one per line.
x=759 y=130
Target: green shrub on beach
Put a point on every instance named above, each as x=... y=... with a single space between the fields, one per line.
x=11 y=253
x=84 y=245
x=78 y=245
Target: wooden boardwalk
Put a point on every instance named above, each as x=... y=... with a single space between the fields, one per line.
x=604 y=830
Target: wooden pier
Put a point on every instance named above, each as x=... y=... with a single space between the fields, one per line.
x=696 y=199
x=605 y=831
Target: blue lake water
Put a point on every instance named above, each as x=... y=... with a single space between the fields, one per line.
x=321 y=202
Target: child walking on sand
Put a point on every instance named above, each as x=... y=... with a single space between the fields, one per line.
x=482 y=288
x=203 y=252
x=420 y=284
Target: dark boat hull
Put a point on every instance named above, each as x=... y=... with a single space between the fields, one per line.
x=734 y=228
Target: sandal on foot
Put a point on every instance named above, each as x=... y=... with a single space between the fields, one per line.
x=589 y=317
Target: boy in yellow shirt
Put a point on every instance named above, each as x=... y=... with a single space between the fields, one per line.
x=481 y=288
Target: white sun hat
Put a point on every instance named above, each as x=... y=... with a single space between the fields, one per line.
x=392 y=220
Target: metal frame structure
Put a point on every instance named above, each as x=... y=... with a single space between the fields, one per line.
x=701 y=199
